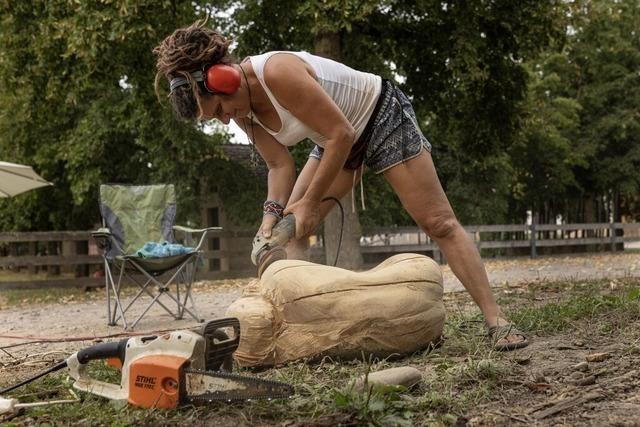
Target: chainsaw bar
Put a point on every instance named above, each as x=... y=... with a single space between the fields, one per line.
x=208 y=386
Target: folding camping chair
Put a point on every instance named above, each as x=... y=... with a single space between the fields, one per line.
x=131 y=216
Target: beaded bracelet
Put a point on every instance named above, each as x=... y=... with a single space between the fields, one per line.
x=271 y=207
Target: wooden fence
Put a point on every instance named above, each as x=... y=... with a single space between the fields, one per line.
x=507 y=239
x=69 y=258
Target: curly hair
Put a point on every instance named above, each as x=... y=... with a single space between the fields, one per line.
x=185 y=51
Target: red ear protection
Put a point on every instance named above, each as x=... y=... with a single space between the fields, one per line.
x=221 y=78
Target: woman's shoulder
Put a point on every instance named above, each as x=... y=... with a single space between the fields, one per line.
x=260 y=59
x=269 y=54
x=259 y=62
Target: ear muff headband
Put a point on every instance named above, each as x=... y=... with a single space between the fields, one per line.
x=220 y=78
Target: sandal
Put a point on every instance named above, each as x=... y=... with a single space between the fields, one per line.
x=496 y=333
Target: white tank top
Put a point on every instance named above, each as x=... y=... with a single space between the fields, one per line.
x=354 y=92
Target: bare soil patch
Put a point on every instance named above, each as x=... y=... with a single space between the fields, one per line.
x=586 y=376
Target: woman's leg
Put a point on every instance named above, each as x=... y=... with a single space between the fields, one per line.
x=299 y=249
x=418 y=187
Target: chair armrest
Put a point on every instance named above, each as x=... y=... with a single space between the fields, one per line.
x=102 y=236
x=190 y=232
x=101 y=232
x=195 y=230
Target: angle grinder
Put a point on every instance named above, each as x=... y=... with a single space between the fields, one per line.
x=267 y=250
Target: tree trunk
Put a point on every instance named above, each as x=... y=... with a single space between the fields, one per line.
x=595 y=215
x=327 y=44
x=590 y=212
x=617 y=217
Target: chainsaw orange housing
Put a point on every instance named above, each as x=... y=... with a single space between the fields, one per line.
x=115 y=362
x=154 y=381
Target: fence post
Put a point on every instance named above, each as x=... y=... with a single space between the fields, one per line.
x=33 y=251
x=68 y=249
x=612 y=235
x=533 y=239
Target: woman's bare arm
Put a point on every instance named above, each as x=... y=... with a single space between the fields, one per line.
x=282 y=172
x=297 y=90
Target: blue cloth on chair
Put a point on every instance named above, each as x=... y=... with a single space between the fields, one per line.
x=162 y=249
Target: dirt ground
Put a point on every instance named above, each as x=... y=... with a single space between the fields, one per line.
x=547 y=366
x=588 y=377
x=557 y=386
x=578 y=267
x=71 y=318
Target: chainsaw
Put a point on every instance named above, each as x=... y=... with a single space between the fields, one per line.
x=170 y=370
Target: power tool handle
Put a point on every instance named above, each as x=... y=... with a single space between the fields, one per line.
x=104 y=350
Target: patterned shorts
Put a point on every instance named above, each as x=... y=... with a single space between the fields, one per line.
x=392 y=135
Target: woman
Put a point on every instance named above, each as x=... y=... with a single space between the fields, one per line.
x=355 y=118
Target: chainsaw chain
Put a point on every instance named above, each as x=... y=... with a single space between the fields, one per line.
x=270 y=389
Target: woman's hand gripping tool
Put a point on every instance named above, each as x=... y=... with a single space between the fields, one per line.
x=267 y=250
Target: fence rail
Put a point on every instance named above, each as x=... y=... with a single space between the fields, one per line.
x=506 y=237
x=70 y=257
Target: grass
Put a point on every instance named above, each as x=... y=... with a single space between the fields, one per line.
x=588 y=300
x=10 y=276
x=461 y=375
x=22 y=297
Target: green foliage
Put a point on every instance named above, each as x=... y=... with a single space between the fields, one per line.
x=580 y=137
x=242 y=192
x=78 y=104
x=548 y=150
x=530 y=105
x=607 y=51
x=335 y=16
x=376 y=405
x=462 y=62
x=469 y=83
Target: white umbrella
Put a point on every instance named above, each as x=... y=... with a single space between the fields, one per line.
x=16 y=179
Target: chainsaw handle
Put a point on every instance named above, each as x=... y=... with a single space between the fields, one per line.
x=104 y=350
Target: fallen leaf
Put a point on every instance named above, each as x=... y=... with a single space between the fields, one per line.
x=582 y=366
x=538 y=387
x=522 y=360
x=597 y=357
x=585 y=381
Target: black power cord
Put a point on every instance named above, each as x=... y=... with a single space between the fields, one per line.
x=54 y=368
x=335 y=262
